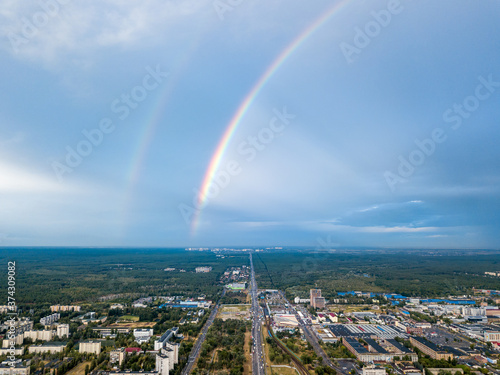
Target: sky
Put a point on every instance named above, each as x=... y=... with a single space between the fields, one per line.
x=250 y=123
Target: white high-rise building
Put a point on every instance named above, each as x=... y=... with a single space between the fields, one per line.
x=62 y=330
x=162 y=364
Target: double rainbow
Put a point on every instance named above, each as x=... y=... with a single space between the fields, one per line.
x=248 y=101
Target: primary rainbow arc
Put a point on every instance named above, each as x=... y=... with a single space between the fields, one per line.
x=247 y=102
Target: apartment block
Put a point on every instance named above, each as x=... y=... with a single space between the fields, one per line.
x=90 y=347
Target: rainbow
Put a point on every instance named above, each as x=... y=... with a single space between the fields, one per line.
x=150 y=125
x=247 y=102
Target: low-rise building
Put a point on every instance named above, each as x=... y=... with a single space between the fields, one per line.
x=301 y=300
x=142 y=335
x=430 y=348
x=372 y=351
x=372 y=370
x=18 y=369
x=9 y=351
x=48 y=347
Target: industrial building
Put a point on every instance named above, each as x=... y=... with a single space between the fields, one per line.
x=372 y=351
x=367 y=331
x=430 y=349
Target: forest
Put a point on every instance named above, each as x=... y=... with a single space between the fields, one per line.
x=46 y=276
x=423 y=273
x=76 y=275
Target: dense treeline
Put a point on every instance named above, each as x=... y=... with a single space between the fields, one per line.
x=412 y=274
x=70 y=275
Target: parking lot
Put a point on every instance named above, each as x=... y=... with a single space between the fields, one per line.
x=348 y=365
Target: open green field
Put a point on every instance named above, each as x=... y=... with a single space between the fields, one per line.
x=130 y=318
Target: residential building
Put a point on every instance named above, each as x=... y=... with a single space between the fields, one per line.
x=319 y=302
x=7 y=309
x=17 y=340
x=203 y=269
x=52 y=347
x=90 y=347
x=117 y=356
x=45 y=335
x=163 y=340
x=316 y=300
x=9 y=351
x=162 y=365
x=62 y=330
x=48 y=320
x=18 y=369
x=56 y=308
x=22 y=325
x=167 y=358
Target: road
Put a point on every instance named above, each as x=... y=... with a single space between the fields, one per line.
x=197 y=346
x=312 y=338
x=258 y=364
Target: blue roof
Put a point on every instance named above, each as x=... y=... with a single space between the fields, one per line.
x=448 y=301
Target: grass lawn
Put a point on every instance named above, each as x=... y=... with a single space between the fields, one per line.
x=79 y=369
x=130 y=318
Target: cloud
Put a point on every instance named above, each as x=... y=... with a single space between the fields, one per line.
x=17 y=179
x=16 y=138
x=54 y=31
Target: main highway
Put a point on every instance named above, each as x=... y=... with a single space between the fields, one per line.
x=258 y=364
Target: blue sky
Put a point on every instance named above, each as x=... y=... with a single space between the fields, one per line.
x=392 y=139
